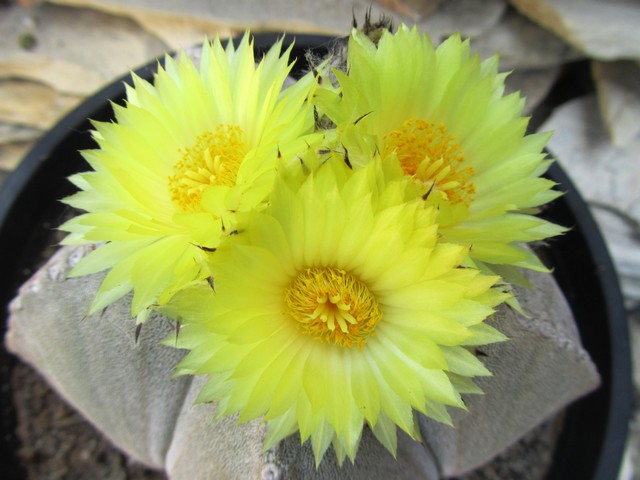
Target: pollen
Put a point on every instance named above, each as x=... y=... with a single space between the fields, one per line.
x=332 y=306
x=214 y=159
x=429 y=154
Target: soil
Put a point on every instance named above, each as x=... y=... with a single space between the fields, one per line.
x=57 y=443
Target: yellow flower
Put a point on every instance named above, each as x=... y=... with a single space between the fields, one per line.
x=440 y=117
x=337 y=307
x=181 y=158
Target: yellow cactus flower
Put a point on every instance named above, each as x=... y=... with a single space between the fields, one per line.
x=182 y=156
x=336 y=307
x=440 y=117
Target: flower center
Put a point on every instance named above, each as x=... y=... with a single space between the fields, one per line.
x=332 y=306
x=213 y=160
x=429 y=154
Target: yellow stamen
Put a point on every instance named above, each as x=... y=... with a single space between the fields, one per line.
x=429 y=154
x=213 y=160
x=332 y=306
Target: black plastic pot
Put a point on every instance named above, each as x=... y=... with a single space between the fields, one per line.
x=595 y=430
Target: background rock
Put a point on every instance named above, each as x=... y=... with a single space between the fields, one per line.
x=522 y=44
x=607 y=177
x=618 y=88
x=603 y=30
x=32 y=104
x=61 y=35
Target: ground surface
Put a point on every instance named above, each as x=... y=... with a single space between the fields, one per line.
x=57 y=443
